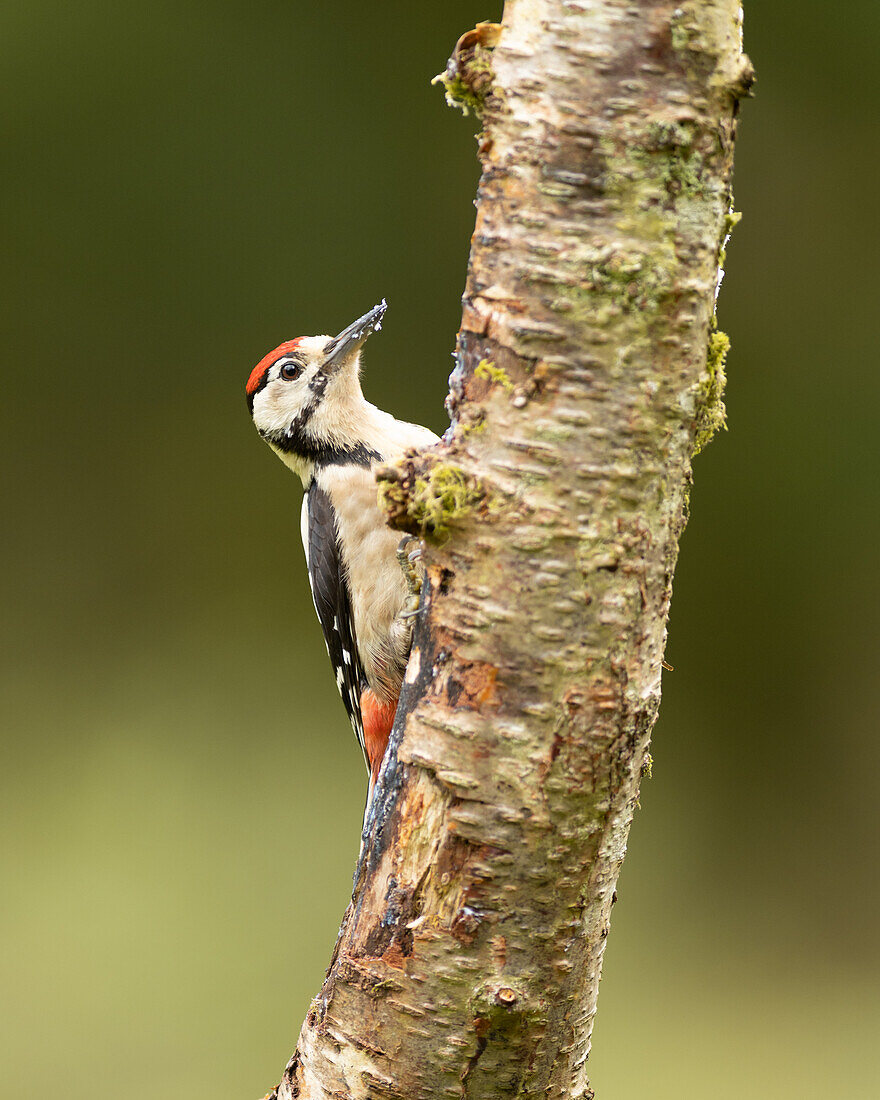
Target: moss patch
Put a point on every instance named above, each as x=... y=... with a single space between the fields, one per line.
x=467 y=80
x=429 y=501
x=731 y=220
x=460 y=94
x=667 y=153
x=683 y=30
x=711 y=413
x=488 y=370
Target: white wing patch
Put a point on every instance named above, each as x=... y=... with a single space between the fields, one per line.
x=304 y=525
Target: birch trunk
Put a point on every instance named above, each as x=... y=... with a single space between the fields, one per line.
x=588 y=374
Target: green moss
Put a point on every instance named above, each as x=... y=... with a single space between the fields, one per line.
x=731 y=220
x=656 y=173
x=468 y=76
x=487 y=369
x=690 y=31
x=632 y=284
x=460 y=94
x=431 y=502
x=687 y=174
x=667 y=152
x=711 y=414
x=441 y=498
x=468 y=83
x=682 y=30
x=659 y=178
x=476 y=426
x=644 y=178
x=622 y=284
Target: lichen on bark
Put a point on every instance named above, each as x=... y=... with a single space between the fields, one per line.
x=469 y=959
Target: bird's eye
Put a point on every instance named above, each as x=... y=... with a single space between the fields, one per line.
x=290 y=371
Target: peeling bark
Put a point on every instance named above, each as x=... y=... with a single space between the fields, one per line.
x=468 y=962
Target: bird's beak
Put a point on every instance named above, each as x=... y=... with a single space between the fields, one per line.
x=342 y=347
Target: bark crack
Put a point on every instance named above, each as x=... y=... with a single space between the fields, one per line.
x=482 y=1043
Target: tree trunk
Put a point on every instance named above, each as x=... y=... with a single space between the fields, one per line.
x=589 y=372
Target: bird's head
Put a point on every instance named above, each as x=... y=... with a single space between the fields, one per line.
x=305 y=396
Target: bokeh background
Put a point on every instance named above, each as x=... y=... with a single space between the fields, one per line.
x=185 y=184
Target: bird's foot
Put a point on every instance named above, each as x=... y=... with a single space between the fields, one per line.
x=409 y=554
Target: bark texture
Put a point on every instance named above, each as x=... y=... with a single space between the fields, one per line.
x=588 y=373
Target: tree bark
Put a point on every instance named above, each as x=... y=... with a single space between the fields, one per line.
x=589 y=372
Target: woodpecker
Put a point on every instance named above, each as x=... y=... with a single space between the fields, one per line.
x=306 y=402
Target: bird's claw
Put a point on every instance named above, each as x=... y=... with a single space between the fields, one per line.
x=409 y=557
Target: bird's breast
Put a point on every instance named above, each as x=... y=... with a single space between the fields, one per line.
x=368 y=551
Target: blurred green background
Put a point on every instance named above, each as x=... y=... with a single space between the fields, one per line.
x=185 y=185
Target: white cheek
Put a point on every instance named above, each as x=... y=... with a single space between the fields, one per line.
x=276 y=406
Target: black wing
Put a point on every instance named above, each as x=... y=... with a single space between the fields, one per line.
x=333 y=604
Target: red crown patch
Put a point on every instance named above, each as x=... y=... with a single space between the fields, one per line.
x=253 y=383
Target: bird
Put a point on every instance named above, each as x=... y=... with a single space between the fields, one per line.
x=306 y=402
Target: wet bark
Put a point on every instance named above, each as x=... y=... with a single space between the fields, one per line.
x=589 y=372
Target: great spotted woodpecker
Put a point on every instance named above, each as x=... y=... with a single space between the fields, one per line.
x=306 y=402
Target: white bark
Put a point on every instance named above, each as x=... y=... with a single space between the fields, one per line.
x=469 y=959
